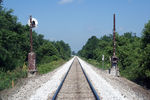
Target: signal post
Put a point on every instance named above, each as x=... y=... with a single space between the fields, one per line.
x=32 y=56
x=114 y=60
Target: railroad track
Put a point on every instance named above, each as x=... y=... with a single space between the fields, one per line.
x=75 y=85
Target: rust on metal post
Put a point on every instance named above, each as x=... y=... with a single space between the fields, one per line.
x=32 y=61
x=114 y=60
x=114 y=38
x=31 y=34
x=31 y=56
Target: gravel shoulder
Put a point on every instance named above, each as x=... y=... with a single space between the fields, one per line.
x=114 y=88
x=108 y=87
x=26 y=88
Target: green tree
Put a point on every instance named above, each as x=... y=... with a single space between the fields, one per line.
x=73 y=53
x=15 y=44
x=47 y=53
x=145 y=62
x=128 y=50
x=146 y=35
x=88 y=49
x=1 y=4
x=63 y=49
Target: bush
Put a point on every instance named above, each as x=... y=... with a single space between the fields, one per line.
x=6 y=78
x=47 y=67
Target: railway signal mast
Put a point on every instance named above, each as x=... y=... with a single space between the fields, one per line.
x=114 y=37
x=114 y=60
x=32 y=22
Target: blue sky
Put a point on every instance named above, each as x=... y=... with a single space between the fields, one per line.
x=74 y=21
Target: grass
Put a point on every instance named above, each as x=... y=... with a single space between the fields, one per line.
x=6 y=78
x=45 y=68
x=104 y=66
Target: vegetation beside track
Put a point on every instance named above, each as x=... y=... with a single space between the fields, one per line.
x=6 y=78
x=45 y=68
x=15 y=46
x=133 y=53
x=104 y=66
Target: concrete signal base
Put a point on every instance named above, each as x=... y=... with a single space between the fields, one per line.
x=114 y=68
x=32 y=64
x=114 y=71
x=32 y=73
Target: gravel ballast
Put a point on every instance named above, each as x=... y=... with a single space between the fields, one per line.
x=49 y=87
x=105 y=90
x=42 y=87
x=38 y=87
x=114 y=88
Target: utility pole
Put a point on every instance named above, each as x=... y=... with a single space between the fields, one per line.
x=31 y=56
x=114 y=60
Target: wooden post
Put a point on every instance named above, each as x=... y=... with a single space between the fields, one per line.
x=12 y=83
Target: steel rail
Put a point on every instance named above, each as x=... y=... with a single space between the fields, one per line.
x=90 y=84
x=57 y=91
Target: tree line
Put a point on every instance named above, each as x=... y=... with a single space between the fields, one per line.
x=133 y=53
x=15 y=44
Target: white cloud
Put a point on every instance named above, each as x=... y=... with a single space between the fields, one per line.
x=65 y=1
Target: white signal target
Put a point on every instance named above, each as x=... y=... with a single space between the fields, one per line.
x=34 y=22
